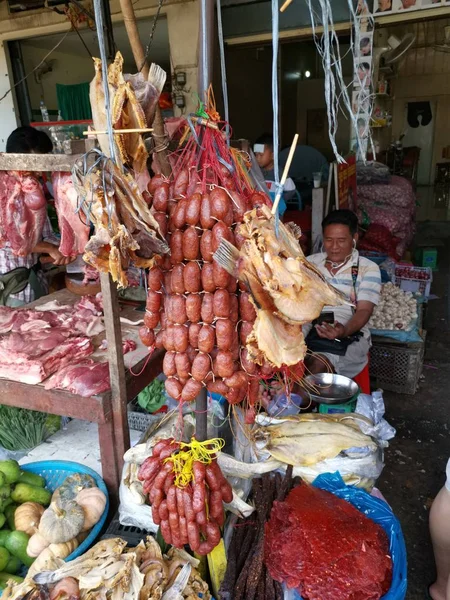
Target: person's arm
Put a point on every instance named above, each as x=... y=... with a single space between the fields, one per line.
x=363 y=312
x=50 y=246
x=57 y=258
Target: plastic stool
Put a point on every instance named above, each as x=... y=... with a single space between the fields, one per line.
x=363 y=380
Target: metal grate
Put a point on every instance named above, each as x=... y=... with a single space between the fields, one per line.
x=132 y=535
x=396 y=368
x=140 y=421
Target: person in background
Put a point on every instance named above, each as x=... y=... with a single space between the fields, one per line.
x=440 y=537
x=27 y=140
x=264 y=154
x=360 y=281
x=305 y=162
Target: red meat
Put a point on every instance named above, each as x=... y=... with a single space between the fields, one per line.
x=326 y=548
x=74 y=231
x=22 y=211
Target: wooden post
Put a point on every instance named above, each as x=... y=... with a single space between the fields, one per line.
x=116 y=368
x=137 y=48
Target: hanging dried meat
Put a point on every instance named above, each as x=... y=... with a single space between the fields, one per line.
x=327 y=549
x=218 y=333
x=286 y=290
x=126 y=113
x=126 y=232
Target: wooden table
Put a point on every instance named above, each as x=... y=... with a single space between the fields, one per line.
x=97 y=409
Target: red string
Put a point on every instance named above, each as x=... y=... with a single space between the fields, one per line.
x=150 y=352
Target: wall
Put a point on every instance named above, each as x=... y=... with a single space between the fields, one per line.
x=66 y=69
x=7 y=110
x=425 y=75
x=311 y=96
x=182 y=22
x=249 y=90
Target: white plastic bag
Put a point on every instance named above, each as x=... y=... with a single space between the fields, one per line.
x=132 y=514
x=372 y=407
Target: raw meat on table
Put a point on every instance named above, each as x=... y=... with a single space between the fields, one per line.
x=39 y=342
x=86 y=378
x=74 y=230
x=23 y=211
x=19 y=367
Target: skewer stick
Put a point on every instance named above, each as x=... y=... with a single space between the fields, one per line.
x=285 y=173
x=117 y=131
x=285 y=5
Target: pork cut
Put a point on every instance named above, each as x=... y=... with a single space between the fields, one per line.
x=86 y=378
x=74 y=230
x=20 y=367
x=23 y=211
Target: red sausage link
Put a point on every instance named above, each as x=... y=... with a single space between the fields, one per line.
x=165 y=532
x=193 y=536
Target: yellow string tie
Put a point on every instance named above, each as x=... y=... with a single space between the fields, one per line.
x=183 y=461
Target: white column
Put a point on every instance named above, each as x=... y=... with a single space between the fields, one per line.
x=8 y=119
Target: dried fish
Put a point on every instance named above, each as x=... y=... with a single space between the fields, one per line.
x=126 y=113
x=286 y=289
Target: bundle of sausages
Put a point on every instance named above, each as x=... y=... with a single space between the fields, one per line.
x=205 y=319
x=185 y=514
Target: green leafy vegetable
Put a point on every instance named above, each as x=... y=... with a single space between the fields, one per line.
x=152 y=397
x=22 y=429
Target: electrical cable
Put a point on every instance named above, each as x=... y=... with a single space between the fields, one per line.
x=223 y=70
x=37 y=66
x=152 y=33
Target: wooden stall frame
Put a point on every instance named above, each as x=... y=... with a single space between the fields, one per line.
x=108 y=410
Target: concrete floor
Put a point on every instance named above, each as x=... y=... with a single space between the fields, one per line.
x=416 y=458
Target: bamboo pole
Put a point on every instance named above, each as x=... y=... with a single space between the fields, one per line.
x=285 y=173
x=137 y=48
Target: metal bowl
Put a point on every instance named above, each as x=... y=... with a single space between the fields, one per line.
x=327 y=388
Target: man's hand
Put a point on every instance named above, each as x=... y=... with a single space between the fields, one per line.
x=331 y=332
x=58 y=258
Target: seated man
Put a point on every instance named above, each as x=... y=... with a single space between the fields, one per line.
x=360 y=280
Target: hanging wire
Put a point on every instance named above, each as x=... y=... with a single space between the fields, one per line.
x=223 y=70
x=37 y=66
x=152 y=33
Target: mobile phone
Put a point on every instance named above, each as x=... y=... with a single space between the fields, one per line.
x=326 y=317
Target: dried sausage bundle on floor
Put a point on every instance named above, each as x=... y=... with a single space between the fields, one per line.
x=187 y=489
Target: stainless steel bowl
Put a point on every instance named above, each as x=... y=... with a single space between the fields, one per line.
x=327 y=388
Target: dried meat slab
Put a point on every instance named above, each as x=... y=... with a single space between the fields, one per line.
x=34 y=370
x=326 y=548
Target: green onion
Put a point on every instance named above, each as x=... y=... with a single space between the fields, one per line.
x=22 y=429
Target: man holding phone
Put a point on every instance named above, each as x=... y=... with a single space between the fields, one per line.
x=340 y=337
